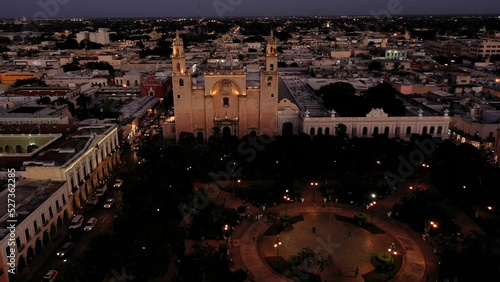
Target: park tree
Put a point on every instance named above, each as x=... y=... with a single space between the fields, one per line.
x=375 y=66
x=384 y=96
x=341 y=130
x=43 y=101
x=30 y=81
x=83 y=101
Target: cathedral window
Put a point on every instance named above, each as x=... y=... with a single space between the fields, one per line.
x=271 y=67
x=178 y=67
x=181 y=82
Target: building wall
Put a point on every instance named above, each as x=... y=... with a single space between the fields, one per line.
x=12 y=77
x=357 y=124
x=42 y=234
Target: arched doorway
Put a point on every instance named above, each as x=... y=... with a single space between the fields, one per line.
x=424 y=131
x=53 y=229
x=396 y=131
x=365 y=131
x=375 y=130
x=46 y=237
x=386 y=131
x=253 y=133
x=226 y=132
x=408 y=131
x=327 y=131
x=320 y=131
x=38 y=246
x=59 y=221
x=30 y=254
x=432 y=131
x=65 y=215
x=312 y=131
x=287 y=129
x=354 y=132
x=8 y=149
x=440 y=130
x=21 y=264
x=19 y=149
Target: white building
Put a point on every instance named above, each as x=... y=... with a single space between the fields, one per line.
x=101 y=36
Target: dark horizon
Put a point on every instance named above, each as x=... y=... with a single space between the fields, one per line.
x=63 y=9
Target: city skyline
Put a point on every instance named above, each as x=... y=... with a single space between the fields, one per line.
x=236 y=8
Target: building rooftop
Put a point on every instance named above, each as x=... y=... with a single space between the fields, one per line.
x=30 y=194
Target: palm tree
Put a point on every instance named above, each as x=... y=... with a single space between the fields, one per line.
x=83 y=100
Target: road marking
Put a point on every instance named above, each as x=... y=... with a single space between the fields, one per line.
x=105 y=217
x=84 y=247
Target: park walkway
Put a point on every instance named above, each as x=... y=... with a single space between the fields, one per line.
x=248 y=255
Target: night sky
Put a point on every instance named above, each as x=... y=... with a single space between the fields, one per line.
x=233 y=8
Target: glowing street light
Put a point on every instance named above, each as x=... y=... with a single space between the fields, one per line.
x=312 y=185
x=277 y=246
x=372 y=205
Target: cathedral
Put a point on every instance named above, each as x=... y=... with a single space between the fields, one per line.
x=228 y=99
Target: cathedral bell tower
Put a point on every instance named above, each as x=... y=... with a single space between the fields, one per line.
x=269 y=90
x=181 y=84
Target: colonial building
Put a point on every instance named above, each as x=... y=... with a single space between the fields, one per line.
x=229 y=99
x=237 y=100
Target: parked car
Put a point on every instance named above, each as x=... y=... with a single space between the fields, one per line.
x=118 y=183
x=90 y=224
x=109 y=203
x=76 y=222
x=66 y=250
x=50 y=276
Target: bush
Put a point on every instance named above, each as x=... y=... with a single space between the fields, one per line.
x=385 y=258
x=293 y=260
x=285 y=217
x=361 y=217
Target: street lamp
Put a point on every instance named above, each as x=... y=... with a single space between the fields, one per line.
x=372 y=205
x=277 y=246
x=286 y=203
x=312 y=185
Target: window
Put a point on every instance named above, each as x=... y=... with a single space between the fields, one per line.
x=271 y=67
x=57 y=204
x=226 y=102
x=178 y=67
x=43 y=218
x=272 y=95
x=181 y=82
x=51 y=214
x=178 y=96
x=64 y=199
x=35 y=225
x=27 y=233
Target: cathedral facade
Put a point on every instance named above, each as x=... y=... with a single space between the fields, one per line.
x=229 y=99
